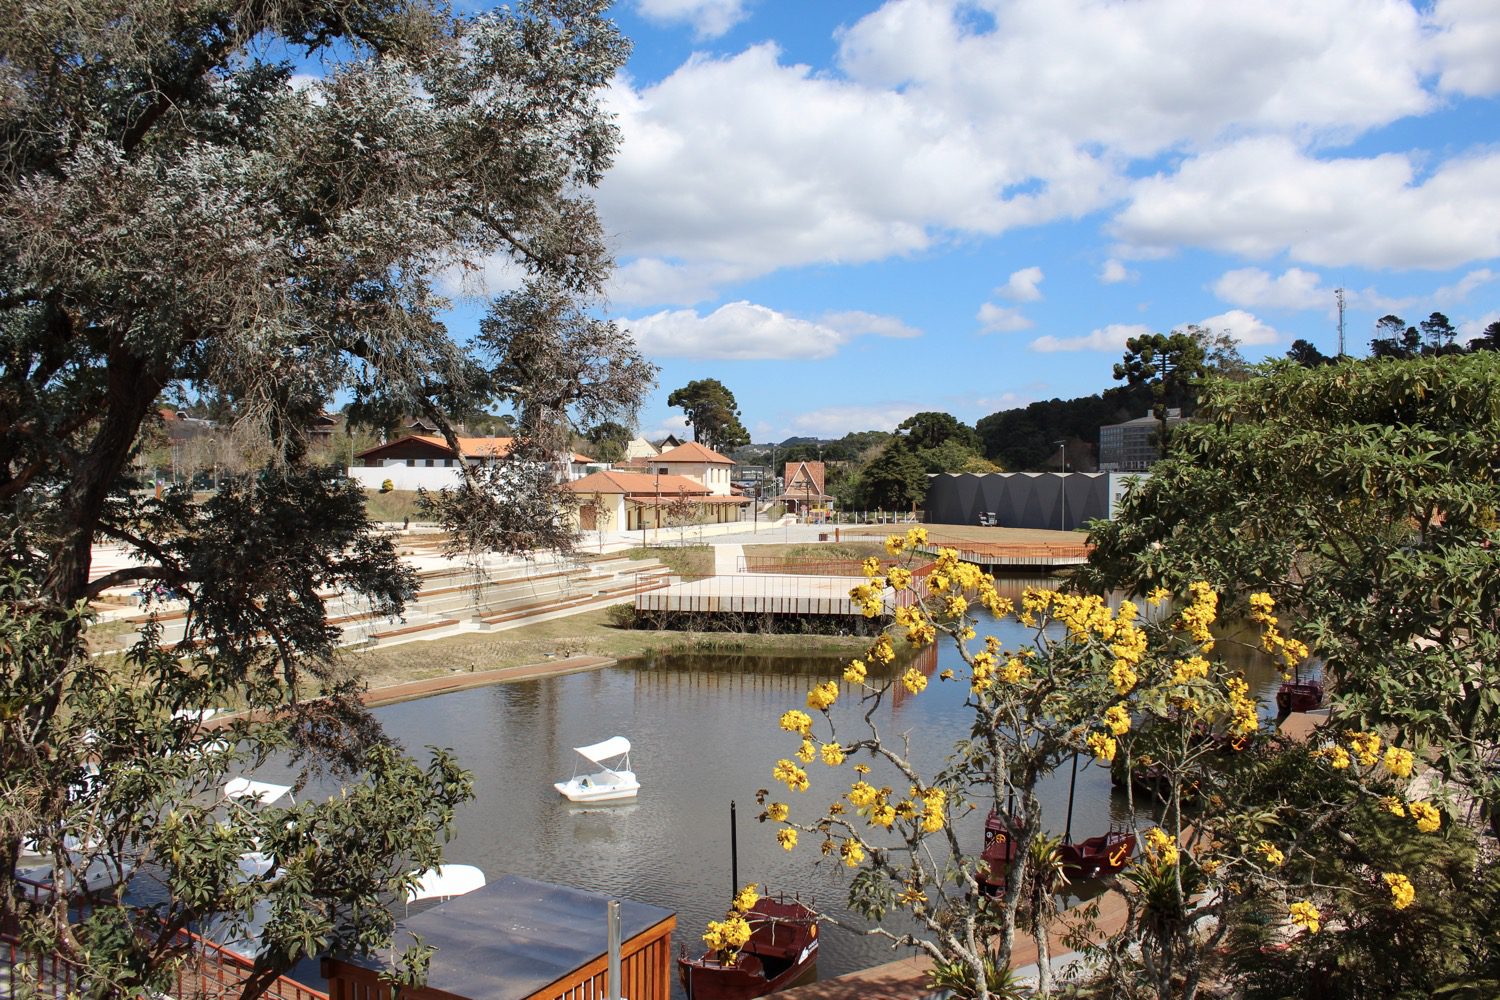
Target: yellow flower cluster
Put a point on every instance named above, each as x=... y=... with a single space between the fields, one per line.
x=989 y=597
x=1399 y=762
x=1392 y=805
x=1123 y=676
x=914 y=680
x=1366 y=747
x=882 y=651
x=1427 y=817
x=833 y=754
x=1129 y=648
x=982 y=674
x=1201 y=612
x=1304 y=914
x=787 y=838
x=1161 y=848
x=1117 y=719
x=1338 y=757
x=747 y=897
x=862 y=795
x=956 y=606
x=1271 y=852
x=856 y=672
x=933 y=802
x=871 y=567
x=1272 y=641
x=1101 y=746
x=870 y=597
x=1243 y=717
x=825 y=694
x=807 y=752
x=895 y=544
x=853 y=852
x=1403 y=893
x=796 y=721
x=777 y=812
x=791 y=775
x=1015 y=671
x=1157 y=595
x=899 y=577
x=727 y=936
x=1194 y=668
x=911 y=897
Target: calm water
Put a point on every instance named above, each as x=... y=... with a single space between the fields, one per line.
x=704 y=730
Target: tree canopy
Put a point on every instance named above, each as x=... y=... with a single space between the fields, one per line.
x=182 y=218
x=1168 y=365
x=712 y=413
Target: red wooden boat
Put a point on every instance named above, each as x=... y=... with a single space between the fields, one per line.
x=999 y=850
x=1299 y=696
x=1098 y=856
x=783 y=946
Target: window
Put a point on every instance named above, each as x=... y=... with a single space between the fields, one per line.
x=411 y=463
x=429 y=463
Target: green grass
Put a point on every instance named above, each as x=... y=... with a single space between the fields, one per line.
x=397 y=505
x=691 y=562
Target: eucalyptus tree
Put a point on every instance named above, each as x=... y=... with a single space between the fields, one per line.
x=184 y=213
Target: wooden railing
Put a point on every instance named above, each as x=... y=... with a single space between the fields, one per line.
x=208 y=971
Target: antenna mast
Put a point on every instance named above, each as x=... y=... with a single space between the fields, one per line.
x=1338 y=294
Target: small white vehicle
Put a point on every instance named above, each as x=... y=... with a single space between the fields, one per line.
x=615 y=782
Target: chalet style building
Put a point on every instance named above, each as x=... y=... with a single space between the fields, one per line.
x=805 y=490
x=685 y=484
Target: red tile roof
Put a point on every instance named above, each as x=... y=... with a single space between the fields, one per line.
x=638 y=484
x=693 y=452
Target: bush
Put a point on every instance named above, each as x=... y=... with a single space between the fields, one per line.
x=620 y=615
x=387 y=486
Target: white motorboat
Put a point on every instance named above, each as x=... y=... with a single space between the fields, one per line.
x=616 y=781
x=445 y=882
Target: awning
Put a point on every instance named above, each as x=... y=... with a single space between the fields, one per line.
x=263 y=792
x=445 y=881
x=615 y=746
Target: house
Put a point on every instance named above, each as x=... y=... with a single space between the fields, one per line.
x=695 y=461
x=613 y=500
x=640 y=448
x=805 y=490
x=426 y=461
x=181 y=426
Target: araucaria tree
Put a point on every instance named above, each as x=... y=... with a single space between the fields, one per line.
x=712 y=413
x=182 y=215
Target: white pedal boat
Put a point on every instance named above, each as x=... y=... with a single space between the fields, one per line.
x=613 y=783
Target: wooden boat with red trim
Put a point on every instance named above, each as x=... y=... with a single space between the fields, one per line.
x=1096 y=857
x=783 y=946
x=1299 y=696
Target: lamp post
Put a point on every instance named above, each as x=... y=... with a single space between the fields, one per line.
x=1062 y=454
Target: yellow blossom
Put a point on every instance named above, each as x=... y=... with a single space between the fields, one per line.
x=777 y=812
x=1157 y=595
x=862 y=794
x=833 y=754
x=1427 y=817
x=914 y=680
x=937 y=583
x=787 y=838
x=1366 y=747
x=1399 y=761
x=895 y=544
x=796 y=721
x=823 y=695
x=747 y=897
x=1015 y=671
x=855 y=672
x=946 y=674
x=1102 y=747
x=1272 y=853
x=1402 y=891
x=933 y=801
x=871 y=567
x=883 y=815
x=806 y=752
x=1117 y=719
x=789 y=773
x=1304 y=914
x=852 y=852
x=911 y=896
x=1338 y=757
x=882 y=651
x=899 y=578
x=955 y=606
x=862 y=768
x=1161 y=846
x=1392 y=805
x=916 y=536
x=1123 y=676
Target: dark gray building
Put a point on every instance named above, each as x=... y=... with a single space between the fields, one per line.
x=1058 y=500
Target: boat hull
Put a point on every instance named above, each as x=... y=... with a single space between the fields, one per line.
x=783 y=948
x=609 y=786
x=1304 y=696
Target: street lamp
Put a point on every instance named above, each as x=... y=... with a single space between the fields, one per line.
x=1062 y=482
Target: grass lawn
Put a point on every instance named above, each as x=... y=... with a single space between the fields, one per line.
x=590 y=633
x=397 y=506
x=857 y=549
x=691 y=562
x=972 y=533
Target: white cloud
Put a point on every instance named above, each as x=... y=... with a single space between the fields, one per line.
x=1022 y=286
x=1258 y=197
x=1293 y=289
x=708 y=18
x=1465 y=37
x=1113 y=272
x=1242 y=326
x=1471 y=328
x=489 y=277
x=857 y=323
x=1110 y=338
x=738 y=331
x=1460 y=289
x=675 y=424
x=836 y=421
x=653 y=281
x=1001 y=319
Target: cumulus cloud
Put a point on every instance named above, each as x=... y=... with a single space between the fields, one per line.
x=1258 y=197
x=1113 y=272
x=708 y=18
x=1001 y=319
x=1242 y=326
x=1022 y=286
x=856 y=323
x=1294 y=288
x=836 y=421
x=1466 y=34
x=738 y=331
x=1109 y=338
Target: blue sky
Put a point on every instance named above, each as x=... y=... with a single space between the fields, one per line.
x=851 y=211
